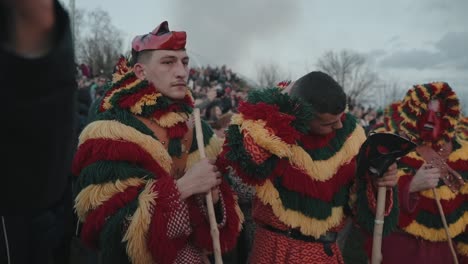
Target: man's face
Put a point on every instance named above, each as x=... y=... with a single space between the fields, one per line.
x=430 y=124
x=324 y=124
x=168 y=71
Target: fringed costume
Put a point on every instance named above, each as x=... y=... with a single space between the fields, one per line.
x=127 y=165
x=303 y=182
x=421 y=237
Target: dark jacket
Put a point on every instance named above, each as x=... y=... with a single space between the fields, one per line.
x=38 y=124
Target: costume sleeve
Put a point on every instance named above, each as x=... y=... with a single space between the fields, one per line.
x=366 y=205
x=228 y=214
x=129 y=204
x=257 y=139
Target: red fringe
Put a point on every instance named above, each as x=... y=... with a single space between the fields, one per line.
x=298 y=181
x=459 y=165
x=130 y=100
x=449 y=206
x=224 y=163
x=412 y=163
x=163 y=249
x=178 y=130
x=96 y=220
x=279 y=122
x=405 y=219
x=111 y=91
x=228 y=234
x=312 y=142
x=94 y=150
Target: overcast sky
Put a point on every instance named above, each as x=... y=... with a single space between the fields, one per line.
x=408 y=42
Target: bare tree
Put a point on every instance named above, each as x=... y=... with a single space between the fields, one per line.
x=391 y=92
x=98 y=42
x=350 y=69
x=269 y=75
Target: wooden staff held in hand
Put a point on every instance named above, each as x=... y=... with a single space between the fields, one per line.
x=209 y=198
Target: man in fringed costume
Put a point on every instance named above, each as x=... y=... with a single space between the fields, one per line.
x=141 y=184
x=298 y=151
x=430 y=114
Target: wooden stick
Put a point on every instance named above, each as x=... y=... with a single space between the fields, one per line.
x=444 y=221
x=209 y=198
x=378 y=226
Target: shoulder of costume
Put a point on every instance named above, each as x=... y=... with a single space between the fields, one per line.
x=285 y=117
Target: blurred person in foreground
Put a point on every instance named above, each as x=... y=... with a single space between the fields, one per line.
x=141 y=183
x=38 y=79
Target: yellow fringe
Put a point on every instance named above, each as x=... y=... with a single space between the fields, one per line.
x=461 y=153
x=462 y=249
x=427 y=96
x=321 y=170
x=111 y=129
x=307 y=225
x=107 y=105
x=433 y=234
x=137 y=231
x=94 y=195
x=256 y=129
x=407 y=119
x=445 y=193
x=148 y=99
x=211 y=150
x=172 y=118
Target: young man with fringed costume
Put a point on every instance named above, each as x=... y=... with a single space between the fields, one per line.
x=298 y=150
x=141 y=183
x=430 y=115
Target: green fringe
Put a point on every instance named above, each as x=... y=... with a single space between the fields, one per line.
x=163 y=102
x=365 y=218
x=116 y=97
x=433 y=220
x=309 y=206
x=207 y=135
x=455 y=144
x=303 y=111
x=126 y=118
x=464 y=175
x=240 y=156
x=113 y=250
x=337 y=142
x=174 y=147
x=108 y=171
x=463 y=238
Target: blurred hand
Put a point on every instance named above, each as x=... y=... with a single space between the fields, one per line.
x=202 y=177
x=389 y=179
x=425 y=178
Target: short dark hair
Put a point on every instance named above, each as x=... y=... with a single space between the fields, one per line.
x=321 y=91
x=140 y=56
